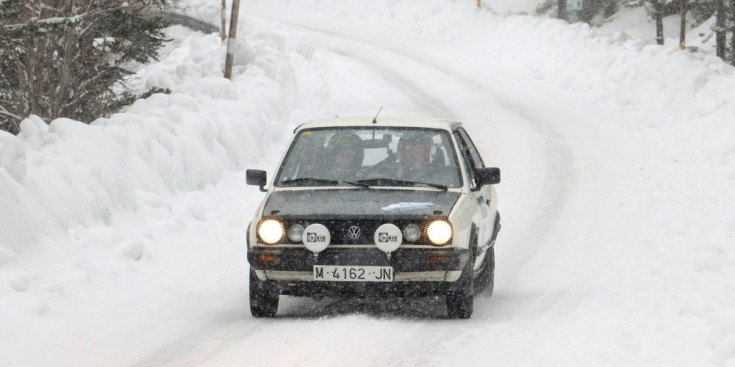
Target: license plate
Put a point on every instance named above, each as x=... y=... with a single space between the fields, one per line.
x=353 y=273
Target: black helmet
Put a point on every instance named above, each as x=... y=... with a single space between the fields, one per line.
x=414 y=137
x=348 y=141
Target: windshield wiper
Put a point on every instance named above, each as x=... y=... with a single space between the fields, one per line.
x=323 y=181
x=391 y=181
x=356 y=183
x=309 y=180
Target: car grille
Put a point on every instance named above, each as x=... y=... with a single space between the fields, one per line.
x=353 y=232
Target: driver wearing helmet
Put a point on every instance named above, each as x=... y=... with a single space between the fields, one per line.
x=347 y=153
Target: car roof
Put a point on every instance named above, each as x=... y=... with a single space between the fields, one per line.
x=423 y=122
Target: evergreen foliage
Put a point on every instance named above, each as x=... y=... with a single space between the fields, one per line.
x=66 y=58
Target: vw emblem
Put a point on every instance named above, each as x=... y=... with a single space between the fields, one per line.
x=353 y=232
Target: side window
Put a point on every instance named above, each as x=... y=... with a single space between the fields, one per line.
x=466 y=156
x=476 y=158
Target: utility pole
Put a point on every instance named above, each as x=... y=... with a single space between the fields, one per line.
x=683 y=30
x=232 y=38
x=223 y=15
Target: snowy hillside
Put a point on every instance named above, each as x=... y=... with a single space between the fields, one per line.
x=123 y=241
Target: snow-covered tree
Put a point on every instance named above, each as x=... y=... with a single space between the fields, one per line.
x=701 y=10
x=724 y=11
x=657 y=9
x=598 y=8
x=66 y=58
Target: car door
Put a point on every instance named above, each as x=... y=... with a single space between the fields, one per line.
x=482 y=195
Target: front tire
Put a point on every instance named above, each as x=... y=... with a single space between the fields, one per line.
x=486 y=279
x=460 y=302
x=263 y=298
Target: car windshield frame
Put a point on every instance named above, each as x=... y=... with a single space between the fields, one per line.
x=443 y=175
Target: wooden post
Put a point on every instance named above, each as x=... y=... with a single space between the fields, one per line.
x=223 y=14
x=479 y=3
x=232 y=38
x=683 y=30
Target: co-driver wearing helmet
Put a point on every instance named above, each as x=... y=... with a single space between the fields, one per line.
x=347 y=153
x=414 y=156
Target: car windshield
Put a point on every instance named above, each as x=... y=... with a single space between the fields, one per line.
x=371 y=156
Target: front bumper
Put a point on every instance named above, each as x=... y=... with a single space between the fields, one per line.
x=417 y=271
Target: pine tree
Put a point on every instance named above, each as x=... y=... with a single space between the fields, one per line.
x=595 y=8
x=657 y=9
x=66 y=58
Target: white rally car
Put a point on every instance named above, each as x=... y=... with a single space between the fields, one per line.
x=372 y=208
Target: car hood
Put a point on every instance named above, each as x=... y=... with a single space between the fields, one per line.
x=347 y=202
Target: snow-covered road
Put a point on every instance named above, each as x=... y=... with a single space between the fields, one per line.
x=616 y=199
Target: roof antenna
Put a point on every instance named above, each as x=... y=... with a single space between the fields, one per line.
x=375 y=119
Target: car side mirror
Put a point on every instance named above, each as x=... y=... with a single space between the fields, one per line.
x=256 y=177
x=488 y=176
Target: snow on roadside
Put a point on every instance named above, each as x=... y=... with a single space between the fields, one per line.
x=102 y=223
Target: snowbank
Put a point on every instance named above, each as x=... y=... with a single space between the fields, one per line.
x=67 y=187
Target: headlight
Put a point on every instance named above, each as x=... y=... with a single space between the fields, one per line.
x=295 y=232
x=439 y=232
x=270 y=231
x=412 y=233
